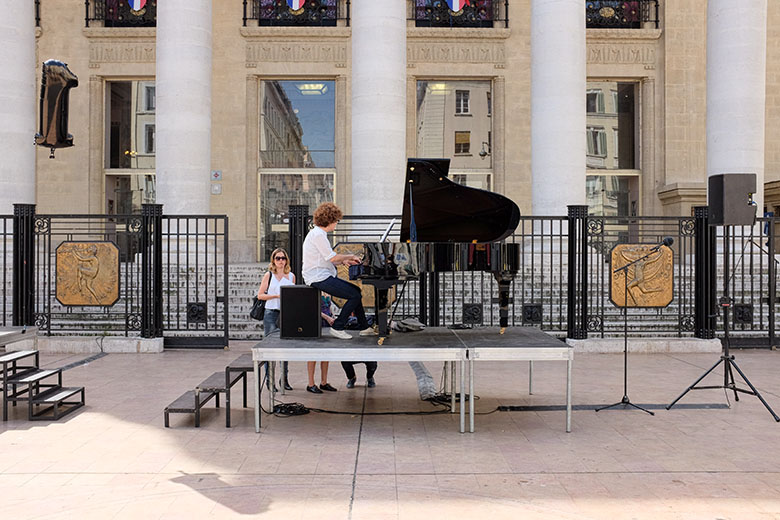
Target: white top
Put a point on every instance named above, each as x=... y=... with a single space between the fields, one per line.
x=274 y=289
x=316 y=257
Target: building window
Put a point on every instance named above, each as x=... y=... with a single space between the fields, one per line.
x=129 y=114
x=297 y=124
x=462 y=102
x=597 y=144
x=150 y=99
x=612 y=157
x=462 y=142
x=457 y=13
x=149 y=139
x=595 y=101
x=297 y=153
x=296 y=12
x=442 y=131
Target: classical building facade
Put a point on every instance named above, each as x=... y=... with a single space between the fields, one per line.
x=244 y=107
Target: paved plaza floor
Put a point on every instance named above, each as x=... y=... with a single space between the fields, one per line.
x=114 y=459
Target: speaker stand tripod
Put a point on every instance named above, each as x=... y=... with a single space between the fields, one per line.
x=625 y=401
x=726 y=358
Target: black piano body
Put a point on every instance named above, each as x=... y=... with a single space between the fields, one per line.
x=445 y=227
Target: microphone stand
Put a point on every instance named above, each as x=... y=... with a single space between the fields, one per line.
x=625 y=401
x=727 y=358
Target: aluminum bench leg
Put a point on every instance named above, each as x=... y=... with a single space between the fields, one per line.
x=167 y=425
x=227 y=398
x=197 y=409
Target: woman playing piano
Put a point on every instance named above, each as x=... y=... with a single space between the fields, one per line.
x=319 y=270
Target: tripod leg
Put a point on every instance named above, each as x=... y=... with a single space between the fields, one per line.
x=695 y=383
x=728 y=377
x=757 y=394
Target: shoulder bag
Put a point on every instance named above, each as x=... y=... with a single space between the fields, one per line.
x=258 y=306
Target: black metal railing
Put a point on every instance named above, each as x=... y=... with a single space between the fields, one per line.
x=604 y=233
x=294 y=13
x=119 y=13
x=37 y=13
x=6 y=291
x=195 y=296
x=474 y=13
x=620 y=14
x=170 y=278
x=752 y=280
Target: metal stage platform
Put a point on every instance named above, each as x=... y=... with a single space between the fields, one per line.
x=462 y=346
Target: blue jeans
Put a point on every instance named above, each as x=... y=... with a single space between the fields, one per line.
x=270 y=322
x=342 y=289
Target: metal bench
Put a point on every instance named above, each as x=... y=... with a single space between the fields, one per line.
x=189 y=402
x=54 y=399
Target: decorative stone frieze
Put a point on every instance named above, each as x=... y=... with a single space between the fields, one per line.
x=121 y=52
x=430 y=52
x=621 y=54
x=296 y=52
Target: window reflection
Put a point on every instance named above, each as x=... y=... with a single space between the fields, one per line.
x=453 y=118
x=130 y=120
x=612 y=195
x=611 y=125
x=280 y=190
x=297 y=124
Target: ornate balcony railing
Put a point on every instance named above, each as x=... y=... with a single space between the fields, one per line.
x=297 y=13
x=620 y=14
x=120 y=13
x=470 y=13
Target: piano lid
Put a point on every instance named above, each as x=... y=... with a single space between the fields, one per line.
x=437 y=209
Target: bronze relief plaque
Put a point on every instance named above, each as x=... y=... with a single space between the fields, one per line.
x=649 y=282
x=88 y=273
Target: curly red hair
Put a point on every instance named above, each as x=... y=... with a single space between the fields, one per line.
x=326 y=214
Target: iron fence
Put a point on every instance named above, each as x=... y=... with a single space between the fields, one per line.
x=604 y=233
x=195 y=281
x=476 y=13
x=119 y=13
x=752 y=279
x=7 y=241
x=54 y=233
x=620 y=14
x=310 y=13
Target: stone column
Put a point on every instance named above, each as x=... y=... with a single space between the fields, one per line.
x=736 y=89
x=18 y=97
x=378 y=107
x=183 y=119
x=558 y=87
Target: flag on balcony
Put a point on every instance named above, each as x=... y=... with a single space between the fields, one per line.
x=456 y=5
x=296 y=4
x=136 y=5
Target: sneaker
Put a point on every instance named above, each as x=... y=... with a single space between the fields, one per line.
x=351 y=383
x=341 y=334
x=327 y=387
x=368 y=332
x=313 y=389
x=371 y=383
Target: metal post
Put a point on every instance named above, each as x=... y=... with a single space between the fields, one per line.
x=151 y=271
x=24 y=265
x=577 y=311
x=298 y=226
x=433 y=300
x=704 y=275
x=244 y=13
x=772 y=278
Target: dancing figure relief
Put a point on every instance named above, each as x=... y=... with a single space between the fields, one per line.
x=648 y=281
x=87 y=273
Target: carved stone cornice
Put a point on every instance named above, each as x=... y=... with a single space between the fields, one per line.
x=314 y=34
x=624 y=35
x=120 y=33
x=450 y=52
x=459 y=34
x=296 y=52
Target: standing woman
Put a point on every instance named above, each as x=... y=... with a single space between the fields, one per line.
x=278 y=276
x=319 y=270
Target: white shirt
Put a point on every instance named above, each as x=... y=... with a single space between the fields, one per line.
x=316 y=257
x=274 y=288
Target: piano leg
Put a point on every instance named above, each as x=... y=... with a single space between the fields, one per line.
x=380 y=305
x=504 y=279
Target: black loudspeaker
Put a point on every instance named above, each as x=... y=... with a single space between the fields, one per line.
x=730 y=199
x=300 y=312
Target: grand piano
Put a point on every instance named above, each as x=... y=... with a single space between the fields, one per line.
x=445 y=227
